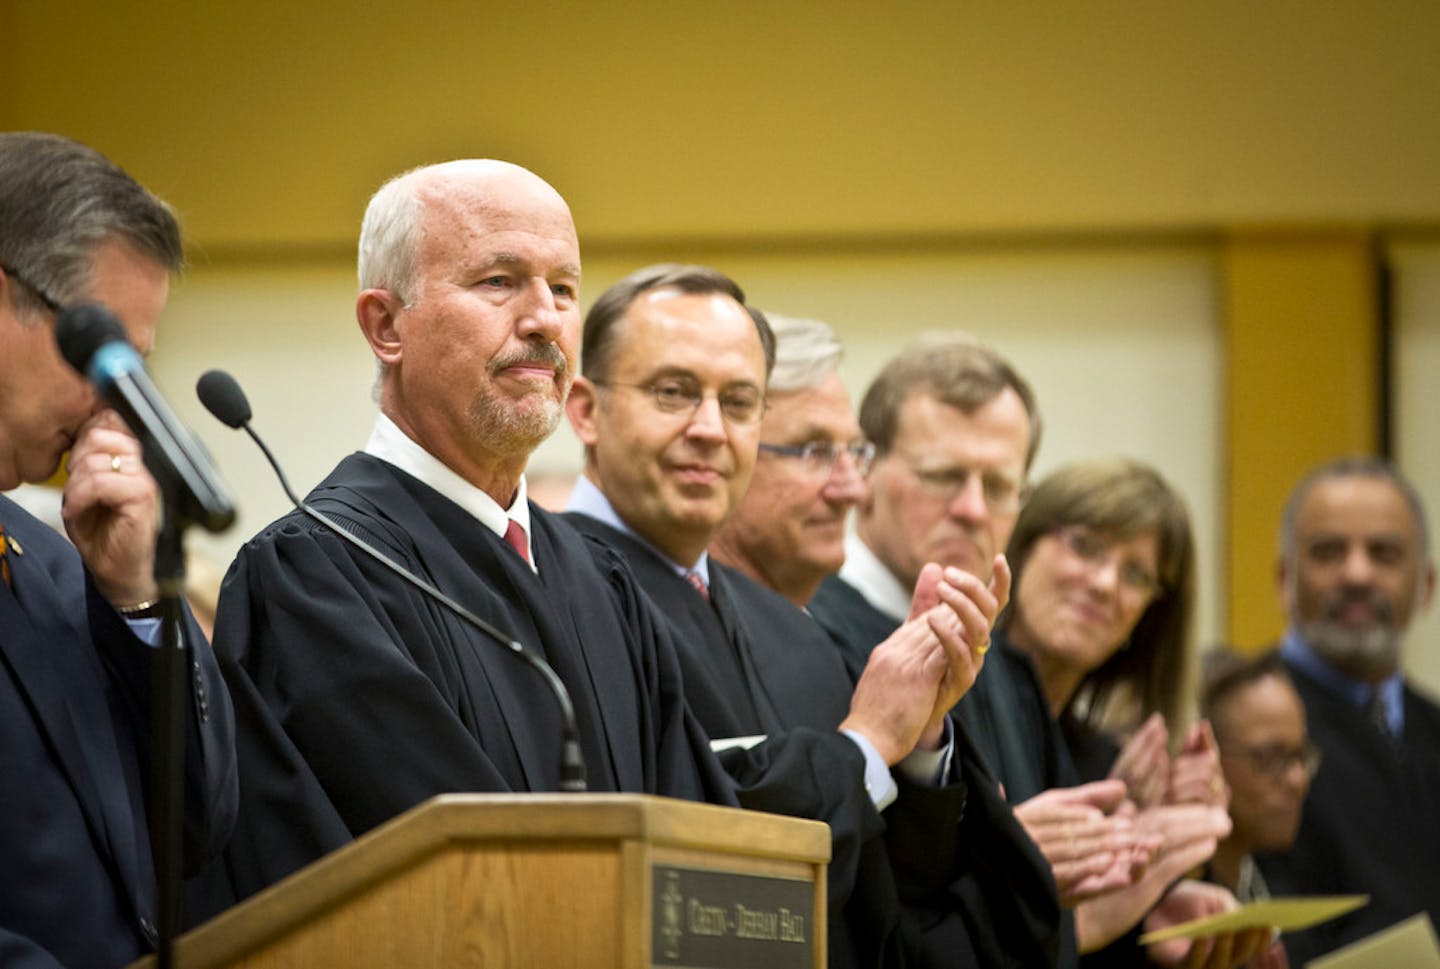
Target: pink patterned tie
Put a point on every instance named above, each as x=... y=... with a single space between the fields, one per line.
x=698 y=584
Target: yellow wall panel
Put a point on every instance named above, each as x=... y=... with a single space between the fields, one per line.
x=1301 y=325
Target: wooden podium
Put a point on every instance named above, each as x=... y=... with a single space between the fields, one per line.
x=544 y=881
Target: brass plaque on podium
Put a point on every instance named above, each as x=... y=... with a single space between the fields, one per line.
x=721 y=920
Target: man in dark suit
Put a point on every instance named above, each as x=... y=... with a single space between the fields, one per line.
x=357 y=697
x=956 y=429
x=1354 y=569
x=77 y=628
x=669 y=410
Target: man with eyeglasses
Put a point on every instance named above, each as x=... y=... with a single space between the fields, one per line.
x=77 y=625
x=669 y=409
x=955 y=428
x=788 y=532
x=1354 y=569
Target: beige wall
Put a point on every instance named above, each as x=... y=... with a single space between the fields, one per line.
x=1121 y=344
x=268 y=122
x=1060 y=177
x=1417 y=417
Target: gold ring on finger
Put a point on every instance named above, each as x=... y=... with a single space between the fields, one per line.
x=115 y=463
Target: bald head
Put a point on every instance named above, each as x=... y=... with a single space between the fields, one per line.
x=399 y=219
x=471 y=276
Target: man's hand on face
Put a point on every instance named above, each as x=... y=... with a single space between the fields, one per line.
x=111 y=510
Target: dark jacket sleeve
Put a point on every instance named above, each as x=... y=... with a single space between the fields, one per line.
x=328 y=706
x=18 y=952
x=211 y=779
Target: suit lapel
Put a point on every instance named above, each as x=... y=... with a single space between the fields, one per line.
x=65 y=694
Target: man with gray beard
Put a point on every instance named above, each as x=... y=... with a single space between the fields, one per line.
x=356 y=696
x=1354 y=569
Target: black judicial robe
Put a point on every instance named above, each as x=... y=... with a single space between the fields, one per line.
x=1015 y=747
x=955 y=856
x=1371 y=822
x=77 y=887
x=357 y=697
x=755 y=665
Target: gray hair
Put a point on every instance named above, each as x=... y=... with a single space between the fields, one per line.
x=59 y=202
x=1354 y=466
x=806 y=352
x=389 y=243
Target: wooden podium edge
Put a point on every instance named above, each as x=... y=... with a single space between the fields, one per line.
x=451 y=819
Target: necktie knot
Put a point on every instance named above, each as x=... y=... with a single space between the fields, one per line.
x=697 y=582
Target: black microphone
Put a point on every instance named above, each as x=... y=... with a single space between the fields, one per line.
x=222 y=397
x=92 y=341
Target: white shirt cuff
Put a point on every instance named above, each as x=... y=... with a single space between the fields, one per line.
x=929 y=766
x=878 y=782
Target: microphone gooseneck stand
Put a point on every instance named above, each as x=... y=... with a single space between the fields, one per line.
x=223 y=398
x=169 y=706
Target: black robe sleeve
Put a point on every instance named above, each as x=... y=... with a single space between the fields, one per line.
x=358 y=697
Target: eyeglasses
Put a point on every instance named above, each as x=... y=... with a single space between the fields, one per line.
x=1095 y=551
x=49 y=302
x=742 y=404
x=1002 y=492
x=822 y=455
x=1275 y=760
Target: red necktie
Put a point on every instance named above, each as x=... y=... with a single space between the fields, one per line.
x=515 y=538
x=698 y=584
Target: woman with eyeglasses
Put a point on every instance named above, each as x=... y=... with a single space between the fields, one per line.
x=1103 y=601
x=1267 y=756
x=1102 y=607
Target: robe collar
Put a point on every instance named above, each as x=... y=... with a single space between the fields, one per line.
x=587 y=499
x=393 y=446
x=872 y=579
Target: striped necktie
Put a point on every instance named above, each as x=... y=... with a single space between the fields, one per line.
x=698 y=584
x=5 y=557
x=1379 y=715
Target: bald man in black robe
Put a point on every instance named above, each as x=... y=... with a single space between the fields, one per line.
x=359 y=697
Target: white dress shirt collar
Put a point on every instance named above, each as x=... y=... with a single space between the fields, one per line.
x=587 y=499
x=394 y=446
x=873 y=580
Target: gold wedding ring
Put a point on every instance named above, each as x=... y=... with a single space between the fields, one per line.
x=983 y=648
x=115 y=463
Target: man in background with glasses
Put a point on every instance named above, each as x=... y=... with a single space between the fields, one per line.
x=788 y=532
x=956 y=428
x=672 y=412
x=77 y=624
x=1354 y=569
